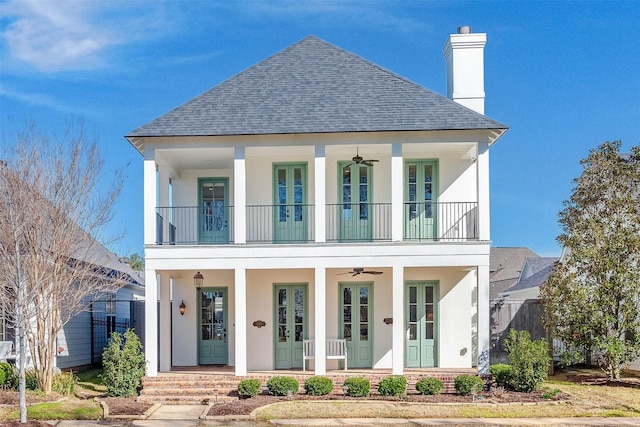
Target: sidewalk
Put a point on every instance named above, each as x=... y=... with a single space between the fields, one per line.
x=190 y=415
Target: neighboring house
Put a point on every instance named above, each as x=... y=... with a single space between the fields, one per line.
x=505 y=267
x=80 y=342
x=83 y=338
x=519 y=306
x=535 y=271
x=317 y=195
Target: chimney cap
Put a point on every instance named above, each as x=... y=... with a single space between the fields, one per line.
x=464 y=29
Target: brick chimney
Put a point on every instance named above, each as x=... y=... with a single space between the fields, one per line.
x=464 y=53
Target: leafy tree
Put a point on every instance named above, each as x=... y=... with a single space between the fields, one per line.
x=592 y=297
x=136 y=262
x=53 y=205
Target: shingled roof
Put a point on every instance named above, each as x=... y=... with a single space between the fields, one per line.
x=314 y=87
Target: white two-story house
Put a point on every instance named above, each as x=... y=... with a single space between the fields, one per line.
x=318 y=195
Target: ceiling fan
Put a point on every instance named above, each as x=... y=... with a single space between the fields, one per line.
x=358 y=270
x=358 y=159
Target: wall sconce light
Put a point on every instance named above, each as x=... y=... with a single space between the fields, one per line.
x=259 y=323
x=198 y=279
x=183 y=308
x=388 y=320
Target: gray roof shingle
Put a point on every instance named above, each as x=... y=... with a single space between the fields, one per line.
x=544 y=267
x=314 y=87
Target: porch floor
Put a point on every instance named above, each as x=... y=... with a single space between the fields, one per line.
x=230 y=371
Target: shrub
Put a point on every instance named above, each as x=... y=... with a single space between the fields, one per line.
x=465 y=384
x=10 y=376
x=529 y=360
x=31 y=379
x=499 y=392
x=282 y=386
x=357 y=386
x=123 y=365
x=394 y=385
x=429 y=386
x=3 y=374
x=249 y=388
x=501 y=374
x=64 y=383
x=550 y=394
x=318 y=386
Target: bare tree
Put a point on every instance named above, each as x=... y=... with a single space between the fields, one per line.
x=54 y=203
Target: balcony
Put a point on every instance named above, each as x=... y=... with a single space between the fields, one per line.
x=295 y=224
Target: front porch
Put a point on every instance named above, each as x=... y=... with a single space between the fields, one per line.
x=256 y=319
x=206 y=384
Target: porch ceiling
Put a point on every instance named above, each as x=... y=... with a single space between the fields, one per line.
x=203 y=158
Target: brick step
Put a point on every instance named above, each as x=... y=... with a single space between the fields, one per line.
x=201 y=399
x=189 y=384
x=189 y=392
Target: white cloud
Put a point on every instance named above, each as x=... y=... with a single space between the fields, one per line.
x=71 y=34
x=40 y=100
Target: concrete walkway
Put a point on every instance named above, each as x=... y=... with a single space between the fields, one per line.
x=191 y=416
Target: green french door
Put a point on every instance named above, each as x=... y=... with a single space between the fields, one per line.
x=356 y=306
x=213 y=215
x=290 y=210
x=291 y=324
x=421 y=324
x=212 y=317
x=421 y=206
x=355 y=189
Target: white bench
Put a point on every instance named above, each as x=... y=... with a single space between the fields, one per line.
x=336 y=350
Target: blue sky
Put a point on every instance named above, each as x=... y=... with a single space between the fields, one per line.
x=563 y=75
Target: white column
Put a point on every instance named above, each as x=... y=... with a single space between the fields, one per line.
x=239 y=196
x=320 y=306
x=320 y=194
x=165 y=323
x=397 y=339
x=151 y=321
x=484 y=322
x=149 y=197
x=397 y=193
x=241 y=321
x=482 y=170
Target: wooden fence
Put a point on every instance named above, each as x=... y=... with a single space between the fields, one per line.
x=513 y=314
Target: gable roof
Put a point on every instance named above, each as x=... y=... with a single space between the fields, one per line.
x=315 y=87
x=505 y=266
x=543 y=267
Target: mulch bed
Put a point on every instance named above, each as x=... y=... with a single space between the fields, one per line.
x=632 y=382
x=13 y=398
x=27 y=424
x=126 y=406
x=245 y=406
